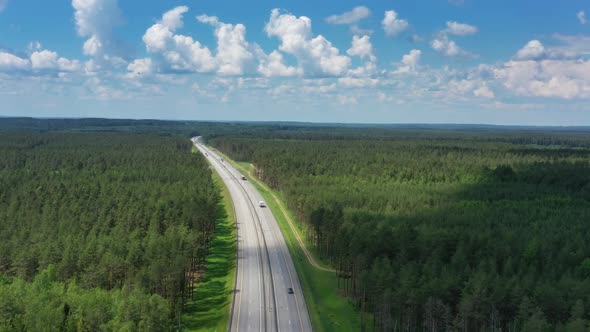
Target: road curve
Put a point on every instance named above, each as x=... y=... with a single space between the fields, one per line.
x=265 y=269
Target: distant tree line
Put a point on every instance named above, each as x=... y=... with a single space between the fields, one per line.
x=434 y=230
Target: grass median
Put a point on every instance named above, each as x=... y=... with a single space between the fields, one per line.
x=210 y=309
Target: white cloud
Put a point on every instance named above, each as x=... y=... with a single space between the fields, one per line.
x=141 y=67
x=157 y=38
x=443 y=45
x=361 y=47
x=179 y=52
x=582 y=17
x=273 y=65
x=316 y=55
x=484 y=92
x=48 y=60
x=460 y=29
x=93 y=46
x=409 y=62
x=412 y=59
x=351 y=17
x=568 y=47
x=95 y=19
x=532 y=50
x=172 y=19
x=11 y=62
x=39 y=61
x=392 y=25
x=232 y=48
x=566 y=79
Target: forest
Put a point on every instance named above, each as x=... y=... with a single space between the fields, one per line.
x=438 y=228
x=100 y=231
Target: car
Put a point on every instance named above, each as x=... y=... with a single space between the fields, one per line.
x=262 y=204
x=243 y=178
x=290 y=291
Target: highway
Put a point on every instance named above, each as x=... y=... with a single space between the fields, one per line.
x=265 y=269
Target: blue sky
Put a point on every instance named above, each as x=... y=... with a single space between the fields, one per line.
x=394 y=61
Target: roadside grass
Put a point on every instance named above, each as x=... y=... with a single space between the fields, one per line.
x=279 y=196
x=329 y=312
x=210 y=308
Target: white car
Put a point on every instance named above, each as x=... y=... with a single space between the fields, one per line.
x=261 y=204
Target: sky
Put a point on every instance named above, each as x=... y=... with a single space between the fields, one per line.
x=517 y=62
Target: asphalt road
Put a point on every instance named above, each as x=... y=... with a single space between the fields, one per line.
x=265 y=267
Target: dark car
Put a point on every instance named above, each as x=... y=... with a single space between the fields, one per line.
x=244 y=178
x=290 y=290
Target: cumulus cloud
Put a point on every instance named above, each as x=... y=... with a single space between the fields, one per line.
x=179 y=52
x=567 y=79
x=484 y=92
x=48 y=60
x=567 y=47
x=39 y=62
x=10 y=62
x=361 y=47
x=442 y=44
x=95 y=19
x=172 y=19
x=460 y=29
x=232 y=48
x=534 y=49
x=139 y=67
x=273 y=65
x=351 y=17
x=409 y=62
x=316 y=55
x=392 y=25
x=582 y=17
x=447 y=47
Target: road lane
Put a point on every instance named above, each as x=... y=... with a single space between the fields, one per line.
x=265 y=267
